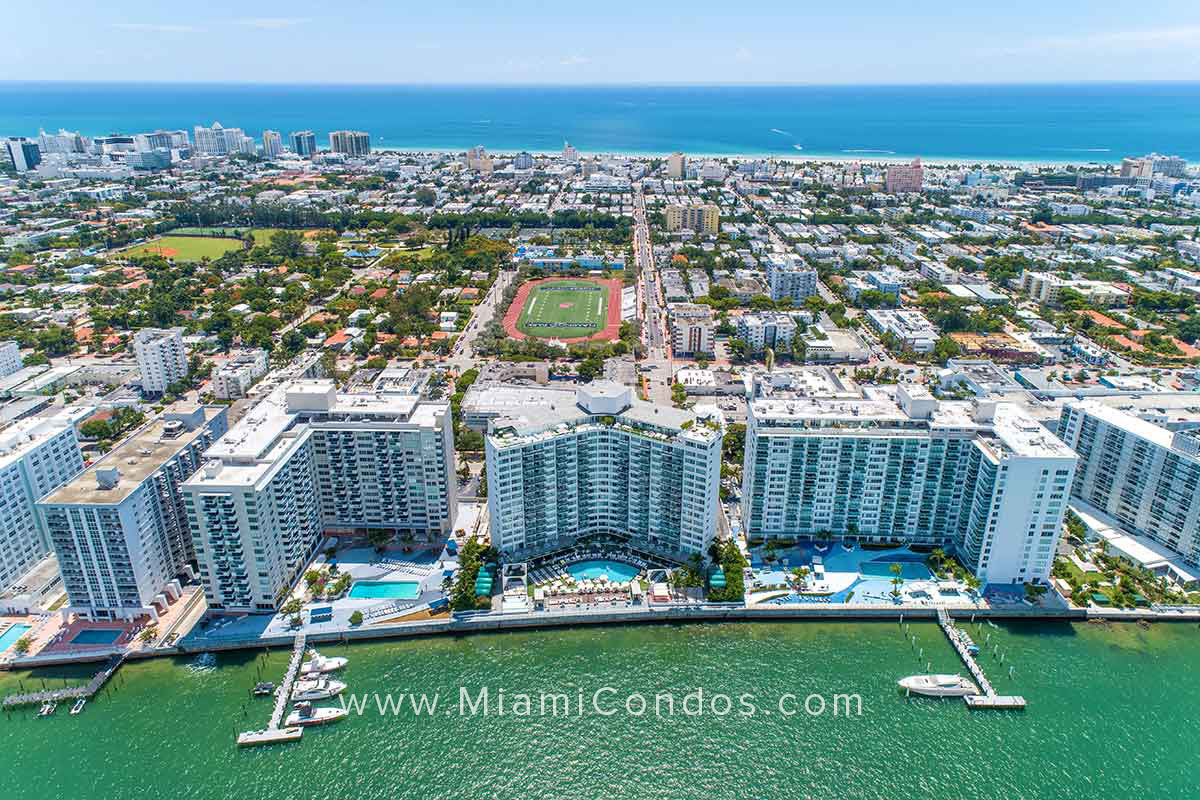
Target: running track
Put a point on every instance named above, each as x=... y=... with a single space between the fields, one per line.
x=608 y=333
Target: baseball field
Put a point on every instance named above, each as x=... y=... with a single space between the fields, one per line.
x=186 y=248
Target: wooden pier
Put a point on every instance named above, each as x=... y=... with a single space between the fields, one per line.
x=62 y=695
x=273 y=733
x=989 y=698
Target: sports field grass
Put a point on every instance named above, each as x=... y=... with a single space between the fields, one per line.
x=564 y=309
x=186 y=248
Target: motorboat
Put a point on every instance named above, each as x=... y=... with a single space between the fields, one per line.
x=938 y=685
x=47 y=709
x=320 y=689
x=318 y=663
x=264 y=689
x=79 y=704
x=307 y=714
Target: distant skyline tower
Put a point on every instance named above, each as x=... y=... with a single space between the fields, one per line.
x=272 y=143
x=677 y=166
x=304 y=143
x=23 y=153
x=523 y=160
x=904 y=178
x=351 y=143
x=570 y=154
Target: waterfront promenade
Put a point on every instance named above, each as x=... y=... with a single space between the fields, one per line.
x=480 y=622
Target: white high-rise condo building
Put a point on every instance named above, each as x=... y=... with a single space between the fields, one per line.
x=120 y=529
x=984 y=479
x=210 y=141
x=352 y=143
x=605 y=464
x=789 y=276
x=1142 y=475
x=161 y=358
x=272 y=143
x=10 y=358
x=36 y=457
x=219 y=141
x=307 y=459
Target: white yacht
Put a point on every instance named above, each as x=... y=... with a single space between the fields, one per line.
x=939 y=685
x=319 y=689
x=318 y=664
x=306 y=714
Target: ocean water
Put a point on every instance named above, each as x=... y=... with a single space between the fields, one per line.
x=1110 y=715
x=1069 y=123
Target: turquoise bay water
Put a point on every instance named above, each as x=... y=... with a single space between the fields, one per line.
x=1067 y=122
x=10 y=636
x=1110 y=715
x=402 y=590
x=613 y=570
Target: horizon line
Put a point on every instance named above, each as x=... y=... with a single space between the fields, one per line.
x=601 y=85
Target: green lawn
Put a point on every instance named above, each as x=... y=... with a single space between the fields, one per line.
x=565 y=309
x=262 y=236
x=186 y=248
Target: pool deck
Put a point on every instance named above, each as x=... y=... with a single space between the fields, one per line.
x=422 y=566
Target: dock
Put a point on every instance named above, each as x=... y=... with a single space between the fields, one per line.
x=989 y=698
x=273 y=733
x=63 y=695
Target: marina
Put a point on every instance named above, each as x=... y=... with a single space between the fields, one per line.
x=303 y=682
x=963 y=646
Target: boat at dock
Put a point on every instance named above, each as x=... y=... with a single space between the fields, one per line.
x=269 y=736
x=318 y=663
x=307 y=714
x=967 y=641
x=48 y=708
x=939 y=685
x=264 y=689
x=79 y=704
x=319 y=689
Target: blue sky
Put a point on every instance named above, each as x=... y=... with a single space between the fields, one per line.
x=650 y=41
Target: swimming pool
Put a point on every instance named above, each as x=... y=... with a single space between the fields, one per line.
x=912 y=567
x=97 y=636
x=385 y=590
x=614 y=570
x=11 y=635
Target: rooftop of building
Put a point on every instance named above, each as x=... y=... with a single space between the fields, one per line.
x=115 y=476
x=605 y=403
x=24 y=435
x=909 y=408
x=1156 y=434
x=316 y=399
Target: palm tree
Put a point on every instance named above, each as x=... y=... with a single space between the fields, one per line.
x=898 y=580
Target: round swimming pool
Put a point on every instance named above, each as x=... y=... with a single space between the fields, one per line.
x=614 y=570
